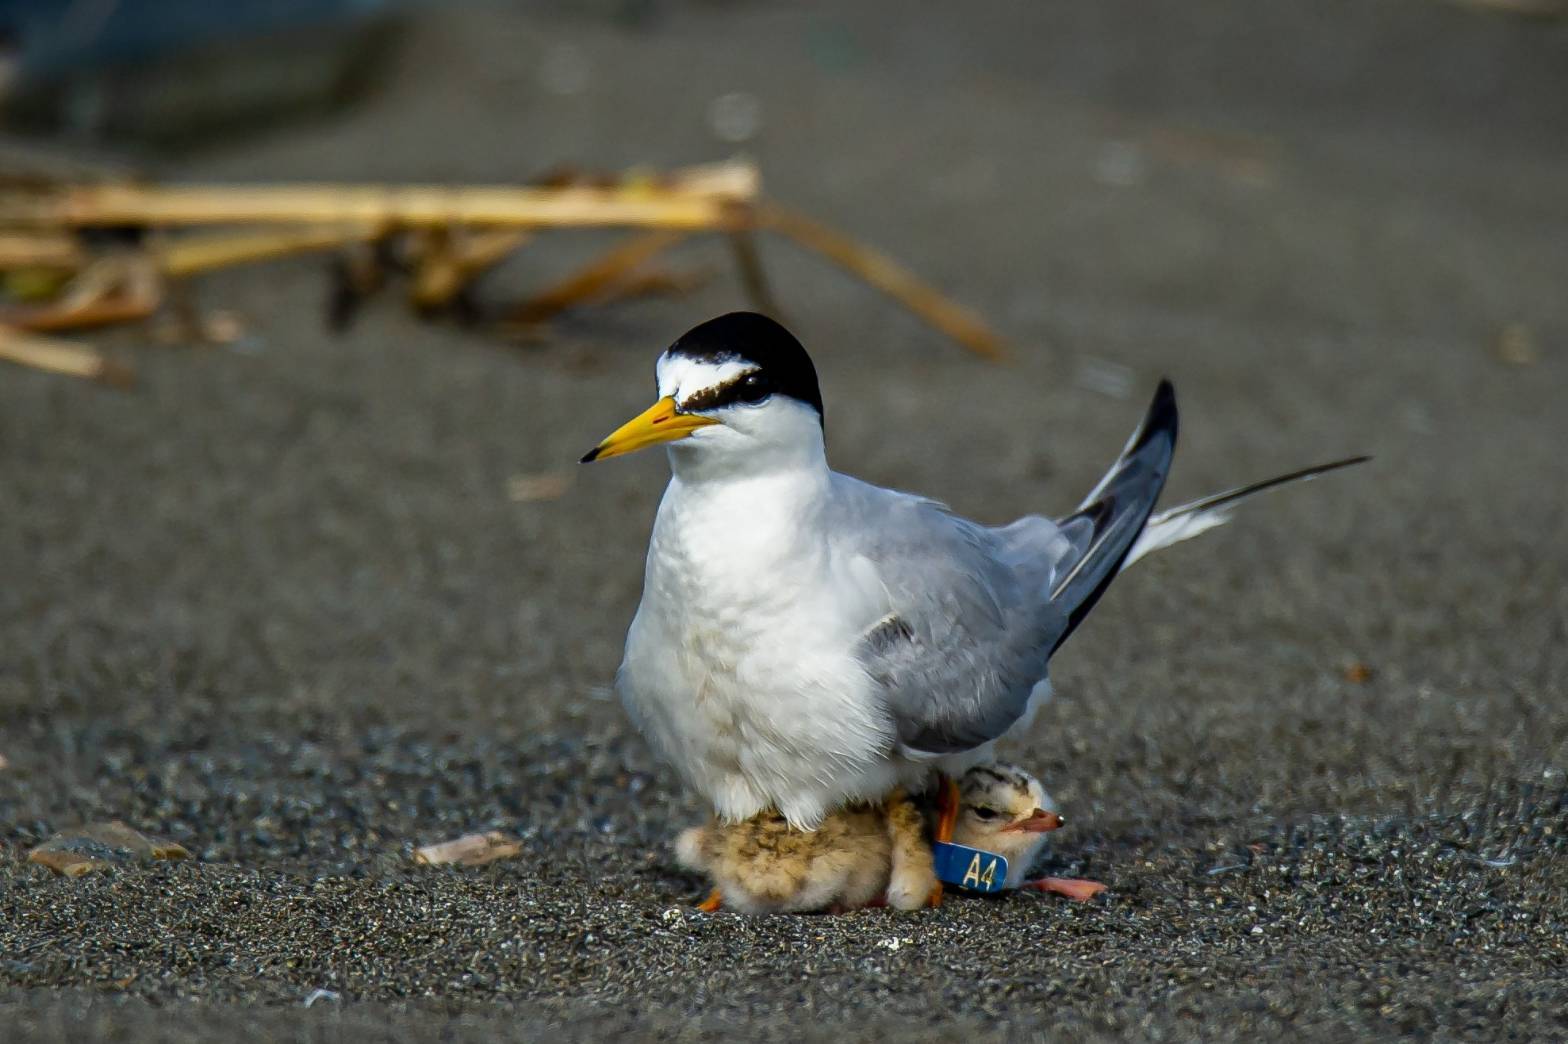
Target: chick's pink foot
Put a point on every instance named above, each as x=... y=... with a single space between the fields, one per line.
x=1075 y=888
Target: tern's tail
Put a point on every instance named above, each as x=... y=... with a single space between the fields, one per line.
x=1176 y=524
x=1106 y=526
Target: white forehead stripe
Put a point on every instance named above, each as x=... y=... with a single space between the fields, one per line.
x=680 y=377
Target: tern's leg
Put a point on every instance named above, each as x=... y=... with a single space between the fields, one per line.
x=946 y=819
x=712 y=903
x=1076 y=888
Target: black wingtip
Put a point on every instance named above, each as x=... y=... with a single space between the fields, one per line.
x=1162 y=418
x=1147 y=460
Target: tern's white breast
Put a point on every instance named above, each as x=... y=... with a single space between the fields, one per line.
x=740 y=664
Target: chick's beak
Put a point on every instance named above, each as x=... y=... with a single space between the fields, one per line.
x=1038 y=822
x=661 y=422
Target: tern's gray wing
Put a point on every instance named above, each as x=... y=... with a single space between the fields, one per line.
x=975 y=613
x=962 y=638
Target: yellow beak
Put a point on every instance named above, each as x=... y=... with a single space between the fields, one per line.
x=660 y=422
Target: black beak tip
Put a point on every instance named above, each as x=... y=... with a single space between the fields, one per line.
x=591 y=456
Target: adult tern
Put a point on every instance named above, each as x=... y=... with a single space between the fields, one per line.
x=806 y=639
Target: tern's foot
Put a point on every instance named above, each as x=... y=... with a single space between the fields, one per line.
x=1075 y=888
x=712 y=903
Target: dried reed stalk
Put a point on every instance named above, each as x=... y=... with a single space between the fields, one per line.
x=195 y=254
x=50 y=250
x=890 y=277
x=454 y=259
x=700 y=198
x=57 y=356
x=596 y=278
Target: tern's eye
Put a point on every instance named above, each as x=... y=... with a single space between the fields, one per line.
x=754 y=387
x=986 y=813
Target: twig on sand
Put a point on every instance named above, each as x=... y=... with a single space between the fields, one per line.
x=112 y=289
x=200 y=253
x=691 y=200
x=440 y=237
x=743 y=246
x=54 y=355
x=450 y=260
x=890 y=277
x=39 y=249
x=594 y=279
x=469 y=850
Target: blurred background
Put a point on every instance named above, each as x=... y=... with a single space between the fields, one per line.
x=324 y=582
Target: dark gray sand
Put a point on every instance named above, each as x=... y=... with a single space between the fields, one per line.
x=278 y=605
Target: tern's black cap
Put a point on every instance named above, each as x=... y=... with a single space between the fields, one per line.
x=756 y=339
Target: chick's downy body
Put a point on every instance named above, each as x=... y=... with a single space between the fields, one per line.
x=861 y=854
x=858 y=856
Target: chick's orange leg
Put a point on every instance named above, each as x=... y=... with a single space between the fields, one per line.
x=712 y=903
x=1075 y=888
x=946 y=820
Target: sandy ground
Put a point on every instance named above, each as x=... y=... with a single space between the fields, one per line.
x=279 y=604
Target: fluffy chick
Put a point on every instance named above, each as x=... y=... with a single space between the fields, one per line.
x=867 y=854
x=1005 y=810
x=856 y=857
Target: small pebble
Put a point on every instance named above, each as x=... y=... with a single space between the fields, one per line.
x=469 y=850
x=97 y=846
x=546 y=485
x=1516 y=345
x=735 y=117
